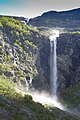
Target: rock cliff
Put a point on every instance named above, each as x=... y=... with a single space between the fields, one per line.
x=23 y=54
x=68 y=51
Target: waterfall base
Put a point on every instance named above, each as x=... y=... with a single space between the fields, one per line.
x=43 y=98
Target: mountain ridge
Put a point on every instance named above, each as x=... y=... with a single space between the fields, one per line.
x=63 y=11
x=62 y=19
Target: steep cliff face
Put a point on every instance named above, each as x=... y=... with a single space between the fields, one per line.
x=68 y=59
x=23 y=54
x=68 y=50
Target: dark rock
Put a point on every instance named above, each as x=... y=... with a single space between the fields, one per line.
x=3 y=114
x=8 y=74
x=68 y=51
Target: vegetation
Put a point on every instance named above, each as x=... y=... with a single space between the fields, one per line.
x=17 y=48
x=16 y=30
x=19 y=44
x=13 y=102
x=7 y=88
x=72 y=95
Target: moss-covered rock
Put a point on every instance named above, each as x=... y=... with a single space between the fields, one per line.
x=22 y=51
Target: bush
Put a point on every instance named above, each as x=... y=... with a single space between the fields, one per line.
x=28 y=98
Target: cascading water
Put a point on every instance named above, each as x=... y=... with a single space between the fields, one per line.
x=53 y=62
x=43 y=97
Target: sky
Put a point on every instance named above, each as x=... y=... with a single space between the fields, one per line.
x=33 y=8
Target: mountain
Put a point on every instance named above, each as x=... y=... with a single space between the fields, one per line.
x=63 y=19
x=25 y=64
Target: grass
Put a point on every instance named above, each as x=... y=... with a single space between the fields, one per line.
x=18 y=103
x=7 y=88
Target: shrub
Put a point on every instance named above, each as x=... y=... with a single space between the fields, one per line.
x=28 y=98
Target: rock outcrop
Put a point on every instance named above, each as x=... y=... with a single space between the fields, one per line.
x=24 y=53
x=68 y=51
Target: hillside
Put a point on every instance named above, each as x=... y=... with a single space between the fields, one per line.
x=23 y=55
x=64 y=19
x=25 y=64
x=20 y=47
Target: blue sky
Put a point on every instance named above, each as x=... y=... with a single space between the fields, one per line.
x=11 y=3
x=32 y=8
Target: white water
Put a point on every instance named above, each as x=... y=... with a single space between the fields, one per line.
x=42 y=97
x=53 y=62
x=45 y=98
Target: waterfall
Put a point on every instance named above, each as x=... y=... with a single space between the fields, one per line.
x=53 y=62
x=44 y=97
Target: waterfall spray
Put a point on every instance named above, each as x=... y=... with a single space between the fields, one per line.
x=43 y=97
